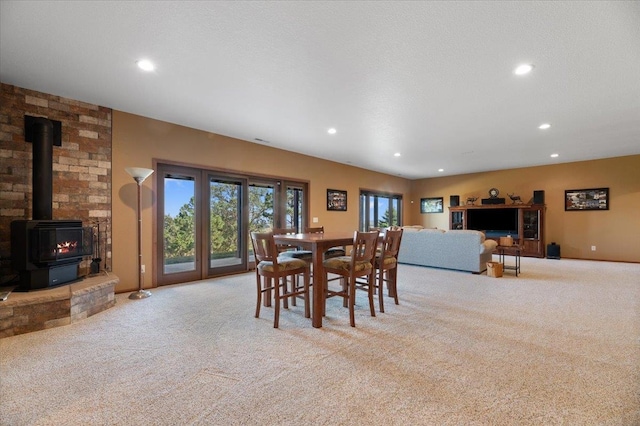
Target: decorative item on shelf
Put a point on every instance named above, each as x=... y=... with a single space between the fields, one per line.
x=471 y=200
x=139 y=174
x=493 y=197
x=515 y=199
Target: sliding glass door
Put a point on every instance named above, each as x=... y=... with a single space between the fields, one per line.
x=205 y=218
x=179 y=225
x=226 y=249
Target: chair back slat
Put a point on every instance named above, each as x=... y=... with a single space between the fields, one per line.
x=364 y=246
x=391 y=243
x=264 y=247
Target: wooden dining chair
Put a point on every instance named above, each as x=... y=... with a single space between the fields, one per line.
x=386 y=265
x=272 y=272
x=349 y=268
x=329 y=253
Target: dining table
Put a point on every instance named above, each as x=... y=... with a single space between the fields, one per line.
x=317 y=243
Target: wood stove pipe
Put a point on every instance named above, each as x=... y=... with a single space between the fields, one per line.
x=44 y=134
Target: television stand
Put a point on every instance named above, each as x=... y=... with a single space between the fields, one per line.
x=524 y=222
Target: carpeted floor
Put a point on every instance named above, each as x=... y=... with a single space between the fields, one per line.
x=558 y=345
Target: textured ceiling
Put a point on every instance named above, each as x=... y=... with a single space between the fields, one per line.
x=431 y=80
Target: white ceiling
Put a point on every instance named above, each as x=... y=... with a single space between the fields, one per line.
x=431 y=80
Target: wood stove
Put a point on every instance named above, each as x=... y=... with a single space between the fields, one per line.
x=46 y=252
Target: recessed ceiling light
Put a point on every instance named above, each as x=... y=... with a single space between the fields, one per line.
x=145 y=65
x=523 y=69
x=441 y=170
x=332 y=131
x=554 y=155
x=397 y=154
x=544 y=126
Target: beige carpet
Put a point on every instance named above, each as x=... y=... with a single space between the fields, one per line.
x=558 y=345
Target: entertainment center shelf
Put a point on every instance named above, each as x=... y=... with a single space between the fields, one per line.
x=523 y=222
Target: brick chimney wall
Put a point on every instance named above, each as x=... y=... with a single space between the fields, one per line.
x=81 y=166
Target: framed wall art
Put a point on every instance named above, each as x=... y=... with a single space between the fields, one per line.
x=431 y=205
x=586 y=199
x=336 y=200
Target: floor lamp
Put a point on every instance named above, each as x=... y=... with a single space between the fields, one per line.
x=139 y=175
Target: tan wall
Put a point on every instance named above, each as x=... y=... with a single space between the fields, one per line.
x=138 y=141
x=615 y=232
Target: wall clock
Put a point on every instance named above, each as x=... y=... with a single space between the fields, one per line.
x=493 y=193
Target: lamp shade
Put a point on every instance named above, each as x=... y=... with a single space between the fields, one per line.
x=139 y=173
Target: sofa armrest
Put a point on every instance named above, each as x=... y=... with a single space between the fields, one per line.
x=488 y=246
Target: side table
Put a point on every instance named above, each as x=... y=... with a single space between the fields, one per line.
x=514 y=250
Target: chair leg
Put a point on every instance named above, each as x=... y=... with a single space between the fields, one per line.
x=259 y=301
x=326 y=288
x=371 y=285
x=393 y=280
x=352 y=303
x=343 y=281
x=307 y=308
x=294 y=288
x=285 y=293
x=381 y=289
x=276 y=317
x=267 y=293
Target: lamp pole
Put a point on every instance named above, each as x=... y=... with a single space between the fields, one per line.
x=139 y=175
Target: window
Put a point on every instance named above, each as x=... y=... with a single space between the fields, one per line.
x=379 y=210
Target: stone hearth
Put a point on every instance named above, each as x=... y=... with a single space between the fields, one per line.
x=38 y=310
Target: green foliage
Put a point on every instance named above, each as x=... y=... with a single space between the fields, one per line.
x=223 y=220
x=179 y=232
x=225 y=216
x=389 y=218
x=260 y=208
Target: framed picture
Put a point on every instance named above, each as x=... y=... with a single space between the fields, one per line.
x=336 y=200
x=586 y=199
x=431 y=205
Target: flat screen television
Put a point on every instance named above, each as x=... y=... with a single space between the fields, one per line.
x=494 y=222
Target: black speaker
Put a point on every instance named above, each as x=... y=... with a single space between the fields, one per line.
x=553 y=251
x=538 y=197
x=454 y=200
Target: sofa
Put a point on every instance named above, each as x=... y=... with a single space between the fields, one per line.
x=463 y=250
